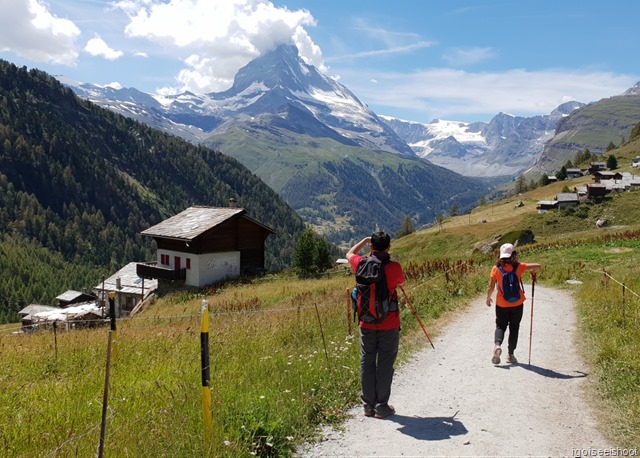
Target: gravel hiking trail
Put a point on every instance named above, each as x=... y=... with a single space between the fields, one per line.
x=452 y=401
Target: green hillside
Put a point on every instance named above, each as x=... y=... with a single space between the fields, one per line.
x=591 y=127
x=83 y=183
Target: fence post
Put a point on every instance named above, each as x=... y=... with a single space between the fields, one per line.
x=55 y=338
x=105 y=397
x=205 y=370
x=623 y=317
x=112 y=316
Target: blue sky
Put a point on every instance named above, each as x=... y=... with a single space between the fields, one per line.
x=416 y=60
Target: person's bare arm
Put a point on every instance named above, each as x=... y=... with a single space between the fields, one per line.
x=355 y=249
x=492 y=285
x=534 y=267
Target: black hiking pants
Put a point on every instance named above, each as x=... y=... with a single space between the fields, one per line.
x=378 y=351
x=508 y=317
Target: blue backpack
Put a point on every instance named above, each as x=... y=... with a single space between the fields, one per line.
x=511 y=285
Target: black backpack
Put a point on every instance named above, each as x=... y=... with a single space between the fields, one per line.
x=511 y=285
x=371 y=299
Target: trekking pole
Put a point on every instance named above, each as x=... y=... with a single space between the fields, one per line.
x=349 y=310
x=533 y=289
x=417 y=317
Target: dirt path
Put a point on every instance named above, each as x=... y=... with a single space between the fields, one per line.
x=452 y=401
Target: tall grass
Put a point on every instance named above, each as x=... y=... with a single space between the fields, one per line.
x=282 y=363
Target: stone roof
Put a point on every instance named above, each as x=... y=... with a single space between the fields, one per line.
x=130 y=283
x=192 y=222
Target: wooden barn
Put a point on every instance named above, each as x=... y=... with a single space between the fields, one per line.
x=205 y=245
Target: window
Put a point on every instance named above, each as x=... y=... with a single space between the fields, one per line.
x=188 y=263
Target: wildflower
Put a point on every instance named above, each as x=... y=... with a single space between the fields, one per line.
x=262 y=396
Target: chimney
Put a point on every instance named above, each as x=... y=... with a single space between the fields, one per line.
x=233 y=203
x=118 y=283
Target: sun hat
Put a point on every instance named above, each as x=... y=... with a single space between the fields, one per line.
x=506 y=251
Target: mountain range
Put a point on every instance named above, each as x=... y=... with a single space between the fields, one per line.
x=340 y=165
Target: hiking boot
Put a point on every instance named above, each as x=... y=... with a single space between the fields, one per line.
x=369 y=411
x=496 y=355
x=385 y=410
x=511 y=359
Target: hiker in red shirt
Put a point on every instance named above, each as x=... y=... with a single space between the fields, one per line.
x=379 y=342
x=509 y=305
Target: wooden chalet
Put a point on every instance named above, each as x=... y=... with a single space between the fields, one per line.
x=597 y=190
x=596 y=167
x=205 y=245
x=71 y=297
x=574 y=173
x=604 y=176
x=544 y=206
x=567 y=200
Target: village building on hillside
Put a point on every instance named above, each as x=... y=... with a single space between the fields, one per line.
x=71 y=297
x=129 y=290
x=544 y=206
x=205 y=245
x=604 y=175
x=597 y=167
x=574 y=173
x=567 y=200
x=82 y=314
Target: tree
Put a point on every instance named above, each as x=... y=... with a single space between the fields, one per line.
x=611 y=146
x=312 y=254
x=323 y=259
x=440 y=219
x=305 y=253
x=406 y=227
x=520 y=187
x=453 y=211
x=562 y=174
x=544 y=179
x=612 y=162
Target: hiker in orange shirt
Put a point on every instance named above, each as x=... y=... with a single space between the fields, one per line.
x=507 y=275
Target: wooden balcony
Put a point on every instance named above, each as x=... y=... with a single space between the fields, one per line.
x=151 y=270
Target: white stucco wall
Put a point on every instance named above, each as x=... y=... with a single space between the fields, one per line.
x=213 y=267
x=205 y=268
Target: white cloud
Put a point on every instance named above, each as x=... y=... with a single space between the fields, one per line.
x=460 y=57
x=382 y=52
x=28 y=29
x=220 y=36
x=97 y=47
x=448 y=93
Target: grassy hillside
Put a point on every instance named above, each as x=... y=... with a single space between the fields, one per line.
x=593 y=126
x=282 y=358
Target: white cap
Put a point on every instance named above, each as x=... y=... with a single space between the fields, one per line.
x=506 y=251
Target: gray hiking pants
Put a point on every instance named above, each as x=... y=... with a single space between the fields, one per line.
x=378 y=351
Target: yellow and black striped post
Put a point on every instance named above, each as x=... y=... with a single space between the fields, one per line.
x=206 y=378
